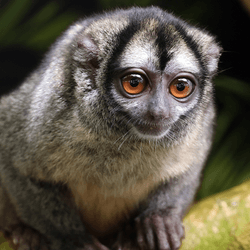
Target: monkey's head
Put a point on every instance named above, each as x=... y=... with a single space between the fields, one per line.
x=146 y=74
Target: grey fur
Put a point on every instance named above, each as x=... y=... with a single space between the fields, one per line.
x=69 y=124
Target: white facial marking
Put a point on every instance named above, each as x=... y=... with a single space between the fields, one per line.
x=138 y=56
x=183 y=60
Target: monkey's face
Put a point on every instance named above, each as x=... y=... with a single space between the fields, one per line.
x=144 y=79
x=153 y=99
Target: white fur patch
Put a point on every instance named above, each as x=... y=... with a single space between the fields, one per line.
x=183 y=60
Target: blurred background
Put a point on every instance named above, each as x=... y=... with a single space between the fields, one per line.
x=28 y=28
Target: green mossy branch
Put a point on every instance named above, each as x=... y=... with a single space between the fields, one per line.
x=220 y=222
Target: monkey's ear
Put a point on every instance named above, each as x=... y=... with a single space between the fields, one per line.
x=212 y=52
x=209 y=48
x=87 y=51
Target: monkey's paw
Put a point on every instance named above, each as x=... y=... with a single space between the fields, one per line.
x=94 y=245
x=154 y=232
x=25 y=238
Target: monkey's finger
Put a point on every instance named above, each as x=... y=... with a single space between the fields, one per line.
x=98 y=245
x=173 y=235
x=118 y=244
x=16 y=235
x=29 y=239
x=160 y=232
x=140 y=236
x=148 y=233
x=180 y=230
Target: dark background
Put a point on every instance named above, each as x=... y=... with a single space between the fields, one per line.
x=28 y=28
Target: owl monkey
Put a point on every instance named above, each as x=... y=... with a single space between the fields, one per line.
x=103 y=145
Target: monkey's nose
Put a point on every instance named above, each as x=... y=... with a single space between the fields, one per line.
x=157 y=114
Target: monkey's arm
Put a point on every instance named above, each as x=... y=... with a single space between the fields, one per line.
x=43 y=211
x=158 y=225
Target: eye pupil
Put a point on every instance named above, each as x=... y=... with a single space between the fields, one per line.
x=134 y=82
x=180 y=86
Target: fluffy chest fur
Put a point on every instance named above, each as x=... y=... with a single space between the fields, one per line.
x=103 y=213
x=109 y=178
x=108 y=183
x=116 y=170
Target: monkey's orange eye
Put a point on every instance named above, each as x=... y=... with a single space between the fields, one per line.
x=133 y=84
x=181 y=87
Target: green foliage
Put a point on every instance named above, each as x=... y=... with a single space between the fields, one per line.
x=36 y=33
x=229 y=163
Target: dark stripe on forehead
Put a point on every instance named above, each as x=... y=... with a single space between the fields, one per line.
x=161 y=43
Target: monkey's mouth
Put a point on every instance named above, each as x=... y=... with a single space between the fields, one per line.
x=152 y=130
